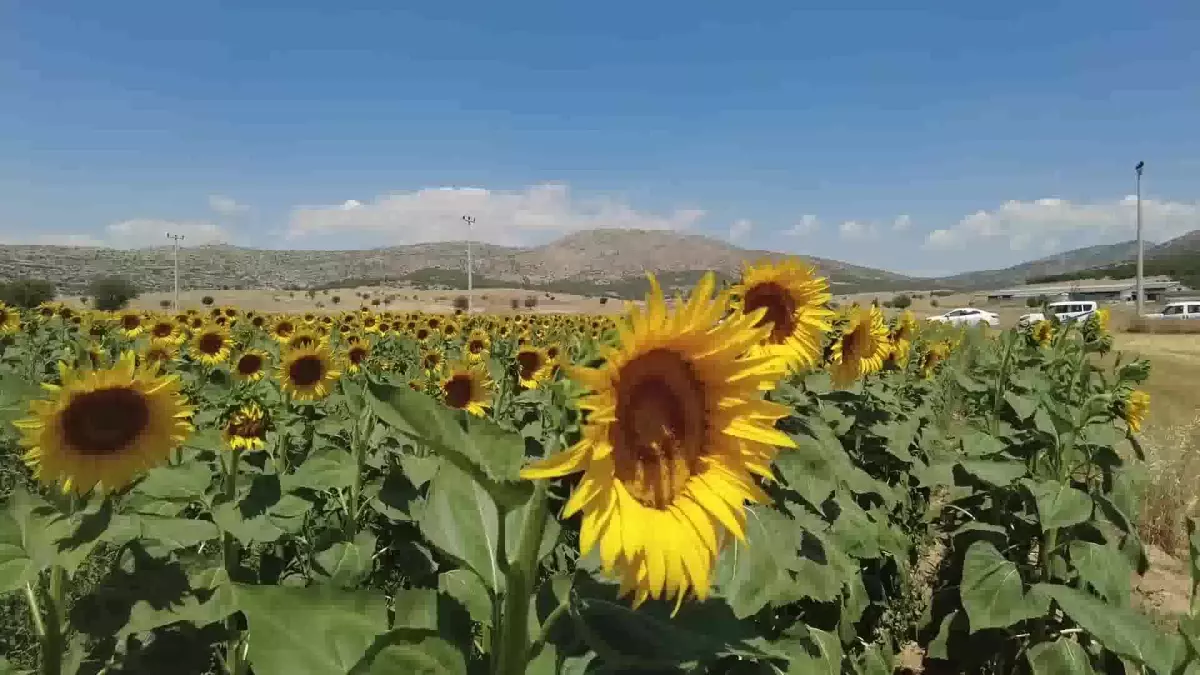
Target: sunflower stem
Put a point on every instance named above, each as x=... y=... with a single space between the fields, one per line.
x=52 y=647
x=230 y=554
x=512 y=649
x=359 y=441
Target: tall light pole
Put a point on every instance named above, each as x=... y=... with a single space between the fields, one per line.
x=469 y=221
x=176 y=238
x=1140 y=288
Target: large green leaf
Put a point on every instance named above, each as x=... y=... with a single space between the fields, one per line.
x=991 y=590
x=754 y=573
x=1058 y=504
x=465 y=587
x=185 y=482
x=1104 y=568
x=514 y=523
x=1064 y=656
x=327 y=469
x=34 y=536
x=993 y=472
x=816 y=653
x=1120 y=629
x=420 y=654
x=490 y=454
x=461 y=520
x=347 y=563
x=319 y=630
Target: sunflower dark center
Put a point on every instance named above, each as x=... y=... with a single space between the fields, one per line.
x=855 y=342
x=249 y=364
x=422 y=334
x=357 y=355
x=257 y=321
x=131 y=321
x=284 y=329
x=246 y=426
x=306 y=371
x=528 y=363
x=432 y=361
x=475 y=346
x=457 y=391
x=780 y=309
x=162 y=330
x=552 y=353
x=661 y=429
x=210 y=343
x=106 y=421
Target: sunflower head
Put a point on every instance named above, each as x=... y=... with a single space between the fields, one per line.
x=860 y=346
x=258 y=321
x=251 y=365
x=246 y=428
x=212 y=344
x=304 y=338
x=934 y=354
x=469 y=388
x=307 y=373
x=1134 y=408
x=533 y=368
x=677 y=431
x=283 y=329
x=164 y=329
x=159 y=352
x=449 y=329
x=789 y=298
x=1042 y=333
x=357 y=355
x=478 y=344
x=132 y=324
x=431 y=361
x=101 y=428
x=10 y=320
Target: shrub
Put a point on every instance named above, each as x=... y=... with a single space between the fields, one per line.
x=941 y=294
x=604 y=300
x=531 y=301
x=27 y=292
x=933 y=302
x=336 y=299
x=111 y=293
x=207 y=300
x=901 y=301
x=375 y=302
x=83 y=300
x=514 y=303
x=461 y=302
x=165 y=304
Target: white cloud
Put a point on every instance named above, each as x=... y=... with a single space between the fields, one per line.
x=740 y=228
x=902 y=223
x=142 y=232
x=807 y=224
x=1044 y=223
x=501 y=217
x=855 y=230
x=53 y=240
x=226 y=206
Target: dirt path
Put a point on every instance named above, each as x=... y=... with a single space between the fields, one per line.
x=1164 y=592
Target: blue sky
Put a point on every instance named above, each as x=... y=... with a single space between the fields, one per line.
x=938 y=138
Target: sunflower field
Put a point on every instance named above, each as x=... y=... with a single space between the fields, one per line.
x=742 y=480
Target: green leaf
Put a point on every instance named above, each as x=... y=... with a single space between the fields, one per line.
x=34 y=536
x=420 y=470
x=345 y=563
x=1120 y=629
x=998 y=472
x=416 y=609
x=185 y=482
x=1058 y=504
x=461 y=519
x=514 y=521
x=490 y=454
x=466 y=587
x=1104 y=568
x=422 y=654
x=991 y=590
x=754 y=573
x=874 y=661
x=319 y=630
x=817 y=653
x=1064 y=656
x=1022 y=406
x=326 y=469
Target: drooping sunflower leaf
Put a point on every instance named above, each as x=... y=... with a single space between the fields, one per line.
x=1064 y=656
x=1120 y=629
x=1058 y=504
x=991 y=590
x=461 y=520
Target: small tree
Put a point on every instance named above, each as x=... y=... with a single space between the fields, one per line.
x=901 y=301
x=83 y=299
x=531 y=301
x=165 y=304
x=603 y=300
x=109 y=293
x=206 y=300
x=933 y=302
x=335 y=299
x=27 y=292
x=514 y=303
x=461 y=302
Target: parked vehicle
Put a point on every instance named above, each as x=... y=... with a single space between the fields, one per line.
x=967 y=316
x=1184 y=309
x=1065 y=311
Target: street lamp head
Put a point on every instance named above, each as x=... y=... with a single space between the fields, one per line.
x=1139 y=167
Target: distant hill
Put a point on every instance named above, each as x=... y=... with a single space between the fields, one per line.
x=1067 y=262
x=610 y=261
x=1178 y=258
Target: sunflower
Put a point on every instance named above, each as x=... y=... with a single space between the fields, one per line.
x=450 y=329
x=307 y=373
x=258 y=320
x=934 y=354
x=478 y=345
x=101 y=428
x=131 y=324
x=469 y=388
x=283 y=329
x=247 y=428
x=164 y=329
x=250 y=366
x=10 y=320
x=431 y=361
x=793 y=301
x=196 y=322
x=676 y=433
x=1102 y=317
x=1134 y=408
x=356 y=356
x=901 y=338
x=533 y=368
x=212 y=344
x=159 y=352
x=304 y=337
x=860 y=347
x=1042 y=333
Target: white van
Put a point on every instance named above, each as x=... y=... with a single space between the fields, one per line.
x=1065 y=311
x=1184 y=309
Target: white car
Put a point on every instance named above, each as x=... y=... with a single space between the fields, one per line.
x=967 y=316
x=1065 y=311
x=1188 y=309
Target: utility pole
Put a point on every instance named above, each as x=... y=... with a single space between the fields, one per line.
x=469 y=221
x=176 y=238
x=1140 y=288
